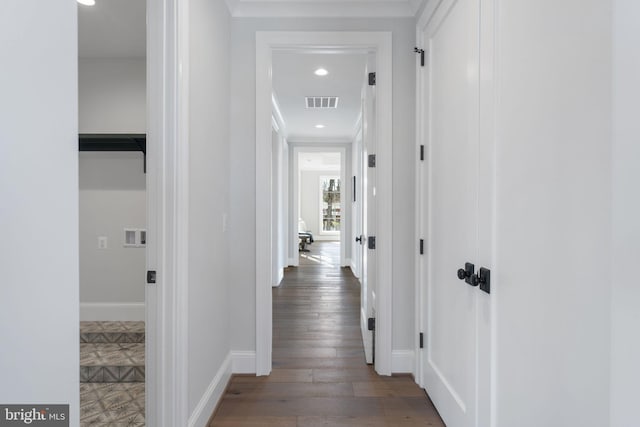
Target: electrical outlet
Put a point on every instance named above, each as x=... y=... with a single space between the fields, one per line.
x=102 y=242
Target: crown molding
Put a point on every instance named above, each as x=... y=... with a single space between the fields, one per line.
x=319 y=9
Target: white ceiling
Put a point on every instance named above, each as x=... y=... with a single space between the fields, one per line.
x=112 y=29
x=294 y=78
x=329 y=161
x=324 y=8
x=116 y=28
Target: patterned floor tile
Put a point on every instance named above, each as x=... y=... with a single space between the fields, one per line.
x=112 y=351
x=112 y=337
x=122 y=354
x=106 y=326
x=112 y=404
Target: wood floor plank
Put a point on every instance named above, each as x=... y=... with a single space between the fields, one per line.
x=315 y=363
x=246 y=421
x=386 y=389
x=270 y=390
x=319 y=375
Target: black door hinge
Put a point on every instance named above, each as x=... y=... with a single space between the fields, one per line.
x=421 y=52
x=421 y=340
x=372 y=160
x=372 y=79
x=371 y=240
x=421 y=246
x=371 y=323
x=422 y=152
x=151 y=276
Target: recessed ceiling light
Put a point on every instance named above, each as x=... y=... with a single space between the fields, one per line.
x=87 y=2
x=319 y=126
x=321 y=72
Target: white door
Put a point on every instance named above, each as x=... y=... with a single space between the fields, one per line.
x=453 y=321
x=368 y=222
x=356 y=218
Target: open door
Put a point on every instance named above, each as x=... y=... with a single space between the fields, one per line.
x=368 y=222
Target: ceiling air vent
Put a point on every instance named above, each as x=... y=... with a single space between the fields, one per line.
x=322 y=101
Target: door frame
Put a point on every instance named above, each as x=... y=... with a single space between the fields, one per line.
x=266 y=43
x=487 y=136
x=167 y=213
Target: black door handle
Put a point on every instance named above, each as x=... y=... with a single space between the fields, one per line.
x=359 y=239
x=482 y=278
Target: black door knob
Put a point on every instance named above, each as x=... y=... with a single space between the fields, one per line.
x=359 y=239
x=475 y=280
x=466 y=272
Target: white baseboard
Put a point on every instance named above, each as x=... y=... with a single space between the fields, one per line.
x=280 y=277
x=352 y=266
x=366 y=337
x=243 y=362
x=292 y=262
x=207 y=404
x=402 y=361
x=112 y=311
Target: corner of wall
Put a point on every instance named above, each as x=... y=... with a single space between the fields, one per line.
x=402 y=361
x=243 y=362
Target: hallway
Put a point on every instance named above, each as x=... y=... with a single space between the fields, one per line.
x=319 y=375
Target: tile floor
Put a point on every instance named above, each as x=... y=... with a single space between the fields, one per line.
x=112 y=388
x=112 y=404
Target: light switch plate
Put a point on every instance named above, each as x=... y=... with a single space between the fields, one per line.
x=102 y=242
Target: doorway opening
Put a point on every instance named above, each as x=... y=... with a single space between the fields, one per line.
x=374 y=45
x=320 y=201
x=112 y=81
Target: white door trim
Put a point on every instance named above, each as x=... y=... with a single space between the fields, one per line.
x=380 y=43
x=167 y=213
x=421 y=225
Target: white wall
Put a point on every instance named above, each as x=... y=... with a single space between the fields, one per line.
x=553 y=216
x=39 y=209
x=112 y=95
x=209 y=309
x=112 y=198
x=243 y=176
x=625 y=323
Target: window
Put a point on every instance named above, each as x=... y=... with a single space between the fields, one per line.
x=330 y=212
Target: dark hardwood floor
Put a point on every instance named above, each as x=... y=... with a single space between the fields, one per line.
x=319 y=375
